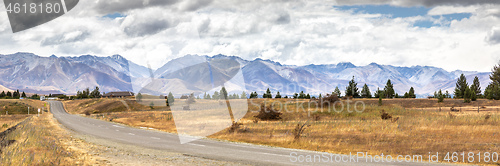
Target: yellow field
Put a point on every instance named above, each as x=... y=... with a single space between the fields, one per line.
x=417 y=127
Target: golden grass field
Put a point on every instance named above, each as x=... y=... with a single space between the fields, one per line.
x=420 y=127
x=40 y=141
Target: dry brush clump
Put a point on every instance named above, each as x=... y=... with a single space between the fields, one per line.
x=299 y=130
x=327 y=101
x=234 y=127
x=385 y=116
x=268 y=113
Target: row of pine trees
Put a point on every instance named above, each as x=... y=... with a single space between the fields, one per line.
x=12 y=95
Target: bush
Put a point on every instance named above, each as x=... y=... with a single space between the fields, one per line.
x=234 y=127
x=268 y=113
x=299 y=130
x=385 y=115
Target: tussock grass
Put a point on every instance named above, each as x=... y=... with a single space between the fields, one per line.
x=420 y=127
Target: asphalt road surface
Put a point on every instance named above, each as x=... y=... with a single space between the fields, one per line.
x=217 y=150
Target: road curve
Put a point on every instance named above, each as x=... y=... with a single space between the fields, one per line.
x=223 y=151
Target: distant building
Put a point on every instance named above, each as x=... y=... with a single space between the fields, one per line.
x=57 y=95
x=42 y=98
x=118 y=94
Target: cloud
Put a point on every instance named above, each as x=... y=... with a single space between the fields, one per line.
x=296 y=32
x=493 y=36
x=120 y=6
x=444 y=10
x=426 y=3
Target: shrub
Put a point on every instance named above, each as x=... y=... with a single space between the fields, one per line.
x=299 y=130
x=385 y=115
x=234 y=127
x=268 y=113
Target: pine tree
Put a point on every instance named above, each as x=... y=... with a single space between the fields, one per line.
x=337 y=91
x=476 y=86
x=216 y=96
x=223 y=93
x=406 y=95
x=2 y=95
x=389 y=90
x=138 y=97
x=9 y=95
x=320 y=96
x=308 y=96
x=170 y=99
x=440 y=96
x=23 y=95
x=365 y=92
x=352 y=89
x=447 y=95
x=243 y=95
x=411 y=93
x=461 y=86
x=379 y=93
x=268 y=94
x=95 y=93
x=278 y=95
x=467 y=95
x=302 y=95
x=254 y=95
x=295 y=96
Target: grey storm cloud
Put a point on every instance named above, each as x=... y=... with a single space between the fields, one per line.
x=108 y=6
x=493 y=37
x=283 y=19
x=146 y=28
x=426 y=3
x=193 y=5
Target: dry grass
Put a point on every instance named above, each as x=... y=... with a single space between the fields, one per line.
x=7 y=121
x=38 y=140
x=96 y=106
x=420 y=127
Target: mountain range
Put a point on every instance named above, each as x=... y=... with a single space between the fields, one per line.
x=35 y=74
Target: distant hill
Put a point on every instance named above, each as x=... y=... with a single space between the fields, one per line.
x=34 y=74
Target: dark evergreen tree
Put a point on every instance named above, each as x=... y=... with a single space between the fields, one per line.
x=23 y=95
x=461 y=86
x=476 y=86
x=302 y=95
x=95 y=93
x=295 y=96
x=337 y=91
x=468 y=95
x=2 y=95
x=389 y=90
x=352 y=89
x=440 y=96
x=278 y=95
x=365 y=92
x=9 y=95
x=268 y=94
x=308 y=96
x=223 y=93
x=411 y=93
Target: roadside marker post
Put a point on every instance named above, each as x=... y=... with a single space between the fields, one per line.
x=28 y=110
x=38 y=112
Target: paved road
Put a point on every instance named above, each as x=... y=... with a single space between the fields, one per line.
x=224 y=151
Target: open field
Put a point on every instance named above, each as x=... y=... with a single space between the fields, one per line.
x=417 y=126
x=15 y=106
x=40 y=141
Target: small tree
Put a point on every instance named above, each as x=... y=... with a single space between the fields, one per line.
x=467 y=95
x=308 y=96
x=476 y=87
x=337 y=91
x=352 y=89
x=223 y=93
x=389 y=90
x=138 y=97
x=302 y=95
x=440 y=96
x=461 y=86
x=170 y=99
x=2 y=95
x=23 y=95
x=95 y=93
x=278 y=95
x=243 y=95
x=365 y=92
x=411 y=93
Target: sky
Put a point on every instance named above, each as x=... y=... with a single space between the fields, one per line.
x=451 y=34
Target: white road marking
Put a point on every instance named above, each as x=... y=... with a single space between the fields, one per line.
x=131 y=133
x=117 y=130
x=117 y=126
x=155 y=138
x=195 y=144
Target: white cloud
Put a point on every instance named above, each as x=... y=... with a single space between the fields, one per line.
x=291 y=32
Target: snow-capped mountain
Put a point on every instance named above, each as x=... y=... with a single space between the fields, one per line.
x=36 y=74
